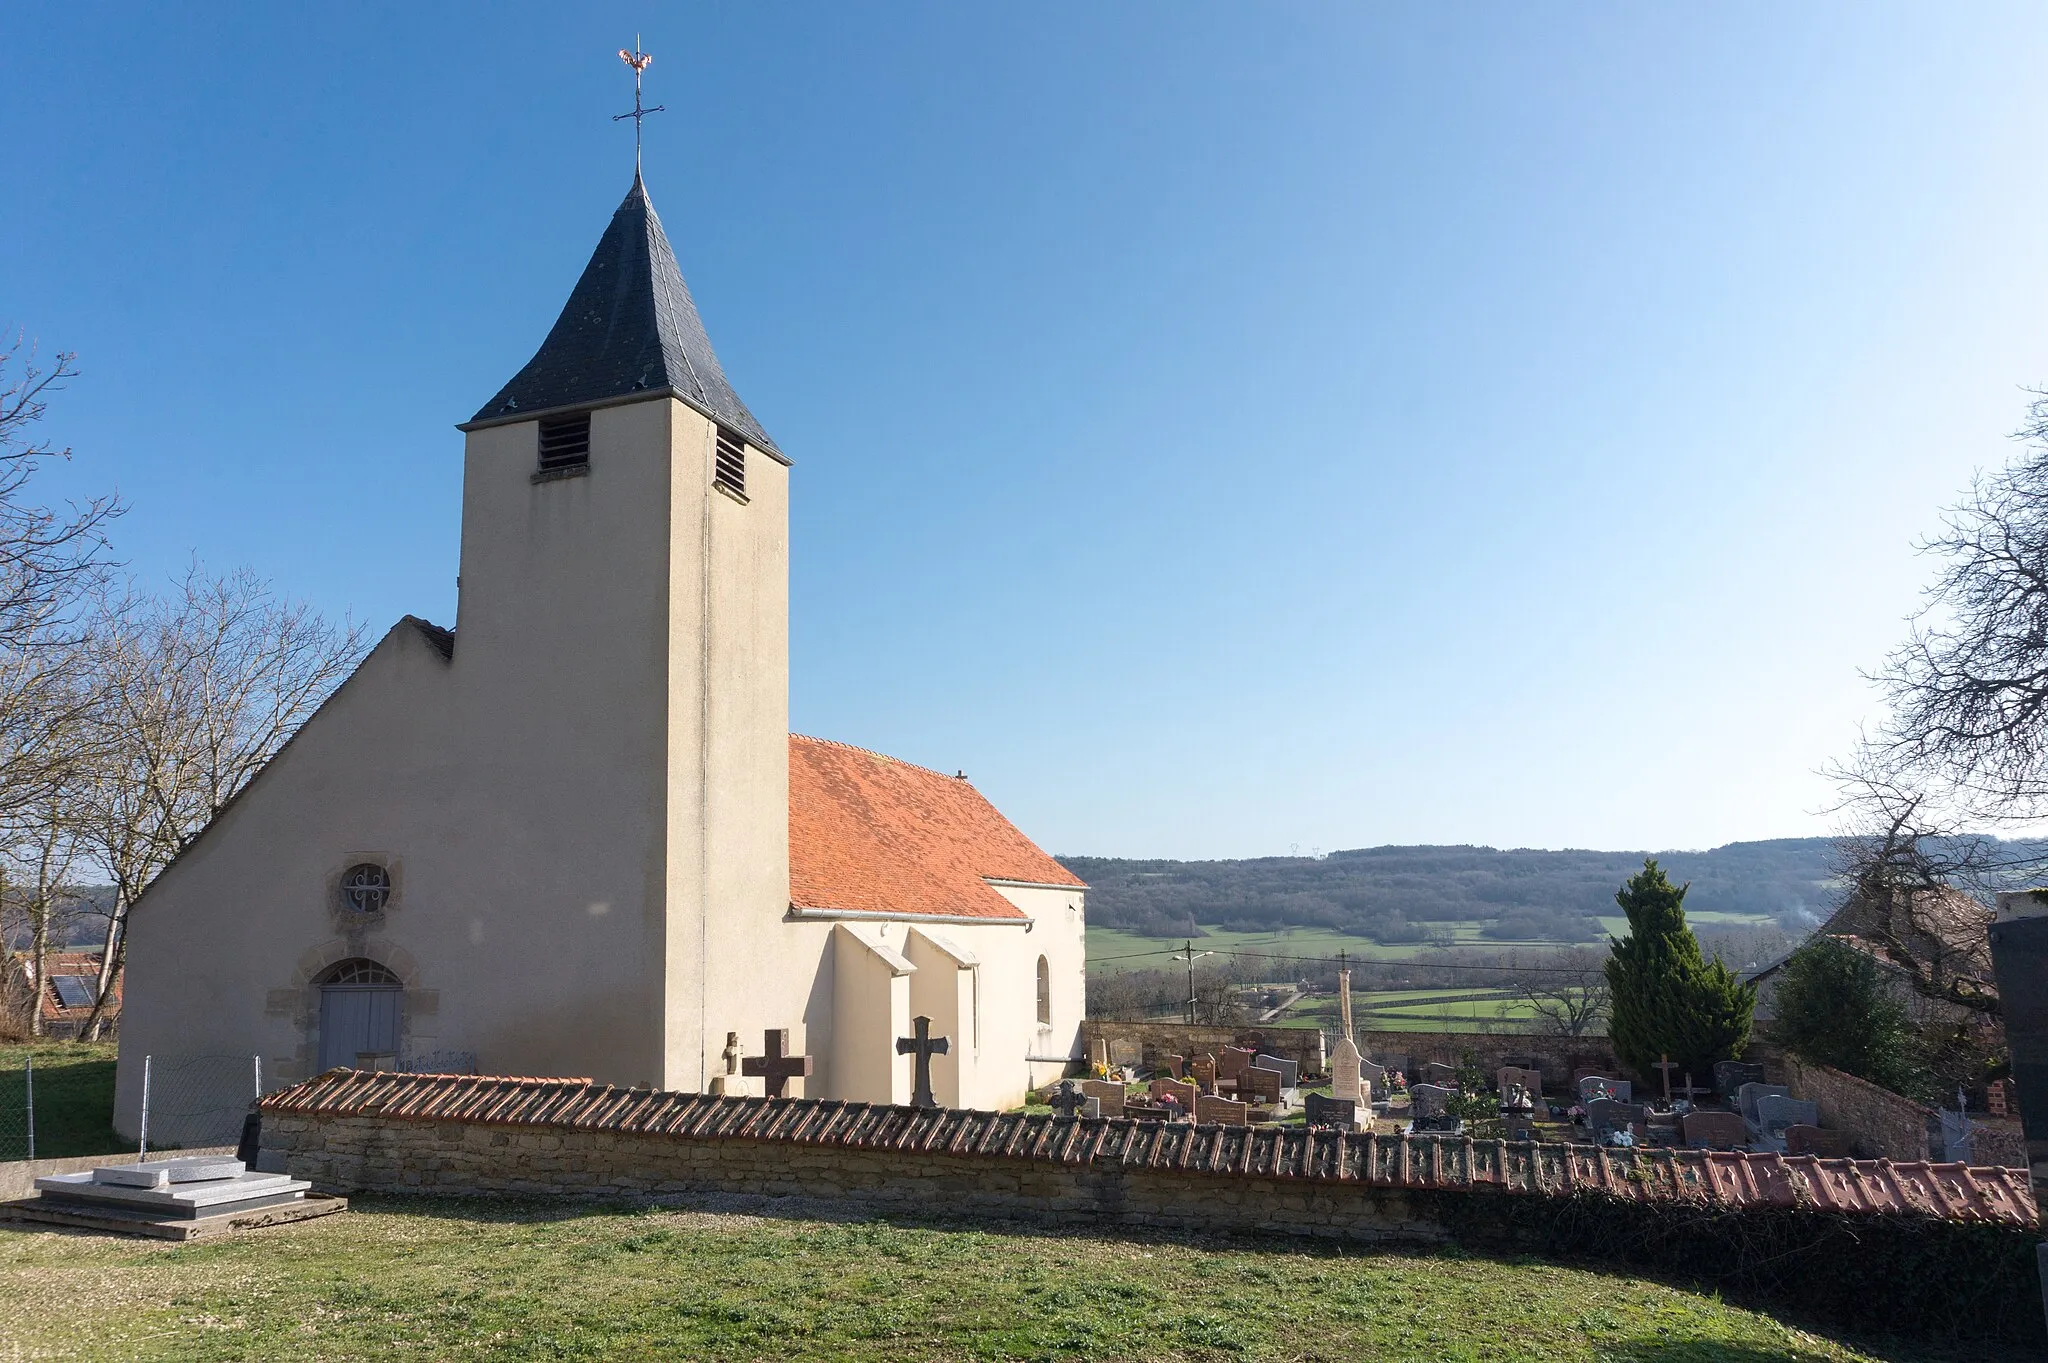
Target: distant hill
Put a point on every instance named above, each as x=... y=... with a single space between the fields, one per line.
x=1403 y=894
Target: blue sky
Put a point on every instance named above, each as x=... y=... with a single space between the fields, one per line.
x=1219 y=429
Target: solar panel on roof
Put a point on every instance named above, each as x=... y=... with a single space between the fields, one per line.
x=73 y=991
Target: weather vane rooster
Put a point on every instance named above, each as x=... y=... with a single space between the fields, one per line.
x=639 y=61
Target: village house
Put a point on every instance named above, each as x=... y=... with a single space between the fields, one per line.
x=64 y=996
x=573 y=835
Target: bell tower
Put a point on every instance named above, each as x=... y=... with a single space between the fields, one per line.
x=622 y=667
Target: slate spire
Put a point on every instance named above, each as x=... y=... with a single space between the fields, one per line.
x=629 y=328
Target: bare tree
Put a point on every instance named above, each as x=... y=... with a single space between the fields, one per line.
x=1969 y=689
x=49 y=561
x=193 y=693
x=1571 y=996
x=41 y=899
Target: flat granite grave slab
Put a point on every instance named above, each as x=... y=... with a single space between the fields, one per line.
x=168 y=1225
x=177 y=1199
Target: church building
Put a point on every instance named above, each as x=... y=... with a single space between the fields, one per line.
x=573 y=834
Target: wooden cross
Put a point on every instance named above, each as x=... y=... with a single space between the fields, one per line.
x=924 y=1046
x=1067 y=1100
x=777 y=1067
x=1665 y=1064
x=1689 y=1091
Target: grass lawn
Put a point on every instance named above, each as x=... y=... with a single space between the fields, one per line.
x=456 y=1280
x=74 y=1098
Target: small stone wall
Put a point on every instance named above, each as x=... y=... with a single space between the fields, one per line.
x=1880 y=1123
x=1557 y=1056
x=382 y=1155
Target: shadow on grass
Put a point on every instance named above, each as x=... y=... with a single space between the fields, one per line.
x=517 y=1209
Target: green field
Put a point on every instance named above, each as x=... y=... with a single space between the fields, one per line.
x=74 y=1099
x=433 y=1280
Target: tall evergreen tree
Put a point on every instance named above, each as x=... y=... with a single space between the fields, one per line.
x=1668 y=998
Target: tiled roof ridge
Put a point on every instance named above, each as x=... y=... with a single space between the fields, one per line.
x=898 y=761
x=1946 y=1191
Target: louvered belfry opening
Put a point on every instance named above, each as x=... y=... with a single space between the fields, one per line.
x=732 y=460
x=565 y=442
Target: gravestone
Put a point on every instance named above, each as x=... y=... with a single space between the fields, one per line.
x=777 y=1067
x=1098 y=1053
x=1232 y=1061
x=1529 y=1079
x=1347 y=1077
x=1183 y=1094
x=1289 y=1070
x=1731 y=1075
x=1375 y=1075
x=1341 y=1113
x=1714 y=1130
x=1396 y=1064
x=1817 y=1141
x=1436 y=1124
x=1604 y=1115
x=1068 y=1101
x=1749 y=1095
x=1212 y=1109
x=1108 y=1094
x=1594 y=1087
x=1428 y=1100
x=1202 y=1070
x=922 y=1046
x=1129 y=1054
x=1440 y=1074
x=1774 y=1114
x=1147 y=1112
x=1258 y=1084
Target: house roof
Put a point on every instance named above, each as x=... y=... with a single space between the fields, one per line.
x=628 y=330
x=1943 y=926
x=870 y=834
x=58 y=963
x=1731 y=1180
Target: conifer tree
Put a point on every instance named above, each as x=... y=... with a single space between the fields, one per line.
x=1668 y=999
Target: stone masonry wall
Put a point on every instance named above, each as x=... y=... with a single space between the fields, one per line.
x=1151 y=1042
x=378 y=1154
x=1880 y=1123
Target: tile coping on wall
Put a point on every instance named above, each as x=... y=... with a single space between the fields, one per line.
x=1946 y=1191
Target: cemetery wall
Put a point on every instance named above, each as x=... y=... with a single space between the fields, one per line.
x=379 y=1154
x=1148 y=1043
x=1880 y=1123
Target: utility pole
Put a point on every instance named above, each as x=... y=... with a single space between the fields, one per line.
x=1190 y=952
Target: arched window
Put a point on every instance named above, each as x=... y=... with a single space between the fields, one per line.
x=359 y=972
x=1044 y=992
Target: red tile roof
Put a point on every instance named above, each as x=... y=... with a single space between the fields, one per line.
x=83 y=963
x=871 y=834
x=1951 y=1192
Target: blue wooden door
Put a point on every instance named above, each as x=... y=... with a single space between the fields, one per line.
x=356 y=1018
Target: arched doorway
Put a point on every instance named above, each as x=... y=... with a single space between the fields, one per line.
x=358 y=1011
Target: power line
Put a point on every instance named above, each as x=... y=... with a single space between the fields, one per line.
x=1357 y=962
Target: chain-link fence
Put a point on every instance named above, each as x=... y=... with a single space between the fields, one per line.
x=18 y=1111
x=191 y=1101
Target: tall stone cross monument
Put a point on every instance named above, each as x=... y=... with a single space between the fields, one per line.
x=1346 y=1080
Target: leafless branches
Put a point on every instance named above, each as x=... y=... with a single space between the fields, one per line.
x=48 y=557
x=191 y=694
x=1571 y=1001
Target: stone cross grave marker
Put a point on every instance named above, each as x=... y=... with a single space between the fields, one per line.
x=1184 y=1094
x=1098 y=1052
x=1731 y=1075
x=1347 y=1072
x=1436 y=1072
x=1209 y=1108
x=1289 y=1070
x=1665 y=1064
x=1749 y=1095
x=1714 y=1130
x=1202 y=1069
x=1068 y=1101
x=923 y=1046
x=778 y=1066
x=1107 y=1093
x=1813 y=1140
x=1531 y=1080
x=1594 y=1087
x=1341 y=1113
x=723 y=1083
x=1344 y=1008
x=1258 y=1084
x=1428 y=1100
x=1604 y=1115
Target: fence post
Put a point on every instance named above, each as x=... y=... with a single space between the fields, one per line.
x=143 y=1153
x=28 y=1078
x=257 y=1061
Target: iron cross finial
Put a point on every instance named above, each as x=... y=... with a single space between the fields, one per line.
x=639 y=61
